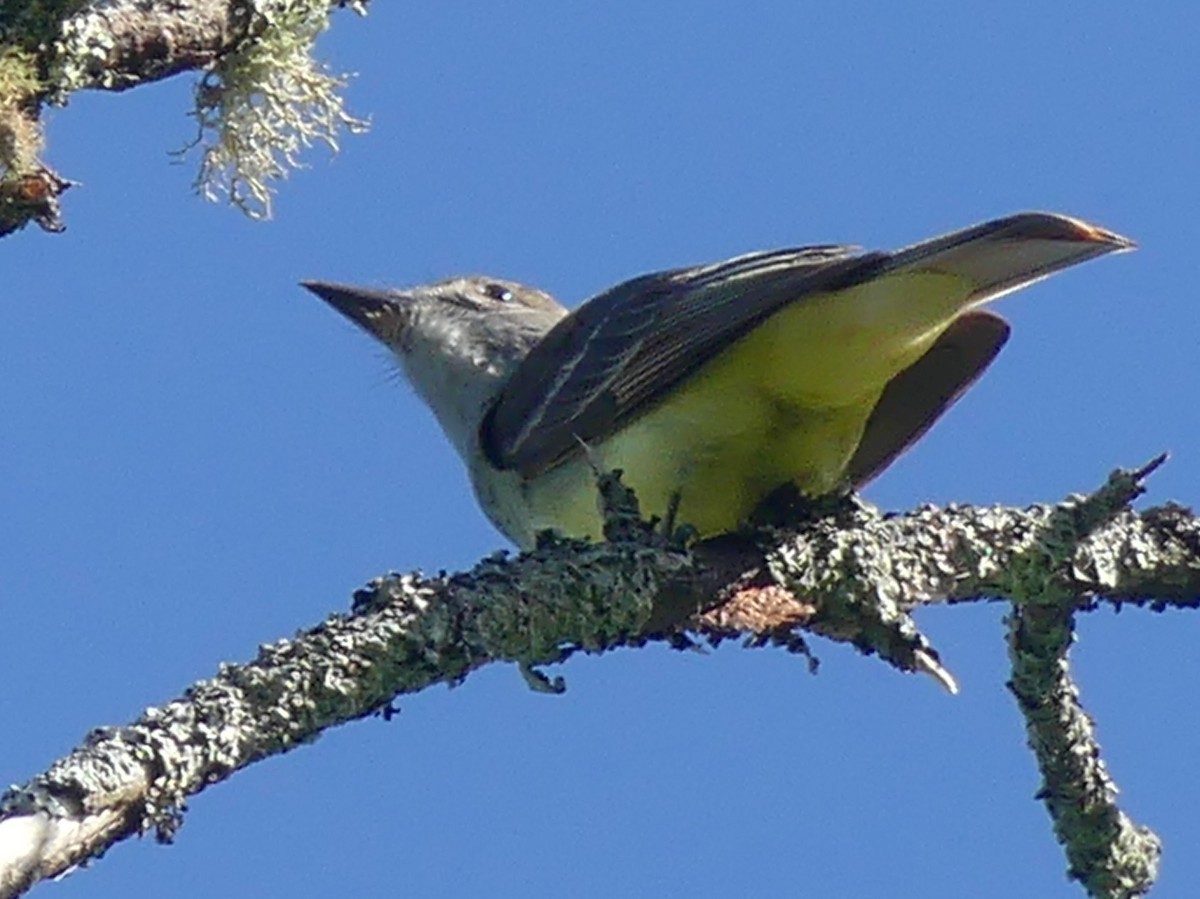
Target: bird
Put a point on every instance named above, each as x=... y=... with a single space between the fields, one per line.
x=711 y=386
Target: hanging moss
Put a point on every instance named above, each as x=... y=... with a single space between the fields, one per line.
x=266 y=102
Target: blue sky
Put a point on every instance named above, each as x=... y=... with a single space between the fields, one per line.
x=198 y=457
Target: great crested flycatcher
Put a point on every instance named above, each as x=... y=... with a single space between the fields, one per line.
x=717 y=384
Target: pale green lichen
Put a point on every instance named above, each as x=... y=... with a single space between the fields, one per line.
x=81 y=57
x=20 y=134
x=265 y=103
x=18 y=75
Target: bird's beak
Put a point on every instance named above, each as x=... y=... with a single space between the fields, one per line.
x=383 y=314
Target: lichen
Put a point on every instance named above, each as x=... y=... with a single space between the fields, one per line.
x=20 y=134
x=264 y=103
x=81 y=55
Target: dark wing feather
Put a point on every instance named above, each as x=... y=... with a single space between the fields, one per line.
x=616 y=356
x=919 y=395
x=562 y=392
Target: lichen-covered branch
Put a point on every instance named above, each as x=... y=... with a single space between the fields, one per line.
x=262 y=98
x=405 y=634
x=1110 y=854
x=854 y=576
x=118 y=45
x=1106 y=851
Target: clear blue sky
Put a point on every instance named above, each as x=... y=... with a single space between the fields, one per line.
x=199 y=457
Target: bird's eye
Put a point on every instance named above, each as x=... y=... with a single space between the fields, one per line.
x=498 y=292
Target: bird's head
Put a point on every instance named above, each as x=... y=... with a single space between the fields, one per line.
x=457 y=341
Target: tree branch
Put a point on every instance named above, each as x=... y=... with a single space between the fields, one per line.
x=854 y=577
x=250 y=51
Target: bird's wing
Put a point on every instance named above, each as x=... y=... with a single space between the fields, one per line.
x=919 y=395
x=624 y=350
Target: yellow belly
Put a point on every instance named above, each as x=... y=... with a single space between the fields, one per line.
x=786 y=403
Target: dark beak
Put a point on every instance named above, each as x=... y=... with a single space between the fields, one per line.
x=381 y=313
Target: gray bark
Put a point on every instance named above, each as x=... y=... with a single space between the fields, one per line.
x=852 y=576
